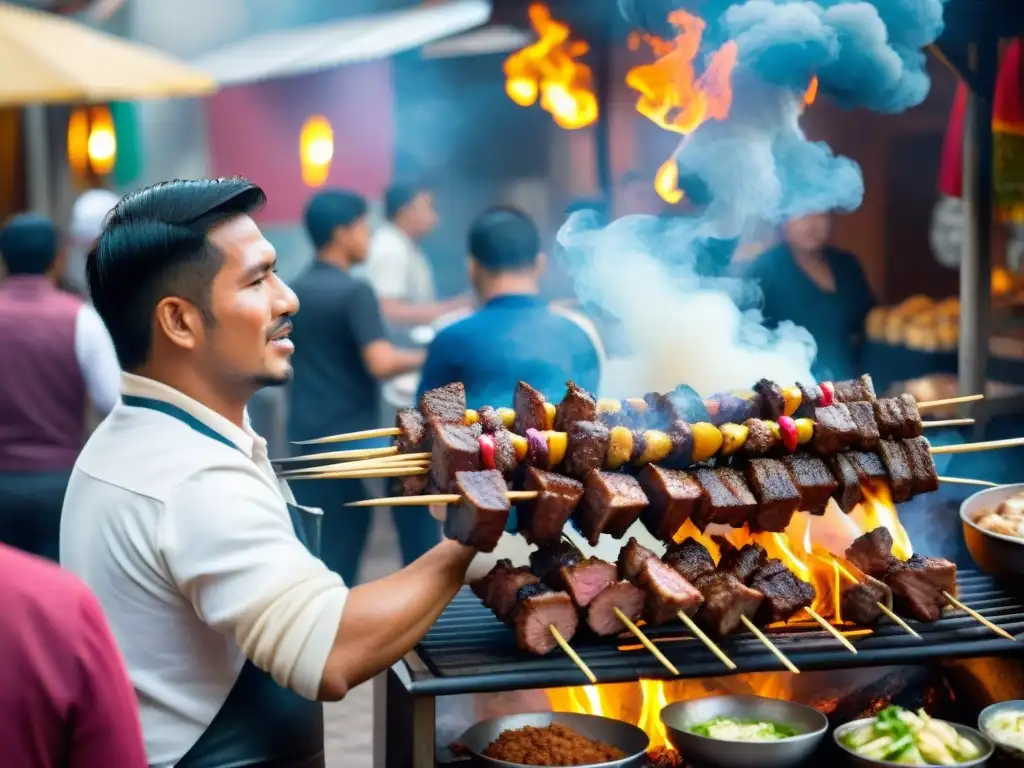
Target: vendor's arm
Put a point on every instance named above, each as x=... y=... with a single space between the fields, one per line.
x=387 y=269
x=382 y=358
x=234 y=555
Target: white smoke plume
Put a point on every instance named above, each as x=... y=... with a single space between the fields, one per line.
x=755 y=167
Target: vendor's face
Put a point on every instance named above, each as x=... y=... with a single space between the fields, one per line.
x=247 y=344
x=809 y=233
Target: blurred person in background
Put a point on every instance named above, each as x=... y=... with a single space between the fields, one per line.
x=67 y=701
x=87 y=216
x=514 y=335
x=819 y=287
x=58 y=359
x=398 y=269
x=341 y=355
x=636 y=195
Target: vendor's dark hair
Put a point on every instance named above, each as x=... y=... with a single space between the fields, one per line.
x=155 y=245
x=504 y=239
x=28 y=244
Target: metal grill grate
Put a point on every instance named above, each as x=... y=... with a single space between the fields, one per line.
x=469 y=651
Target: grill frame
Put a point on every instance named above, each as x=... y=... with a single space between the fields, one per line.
x=469 y=651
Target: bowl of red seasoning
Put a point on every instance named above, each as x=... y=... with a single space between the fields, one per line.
x=555 y=739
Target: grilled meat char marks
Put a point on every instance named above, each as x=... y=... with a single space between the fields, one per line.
x=666 y=592
x=444 y=405
x=855 y=390
x=850 y=471
x=760 y=438
x=611 y=504
x=834 y=429
x=784 y=593
x=897 y=465
x=672 y=496
x=490 y=420
x=898 y=418
x=586 y=449
x=497 y=590
x=777 y=497
x=541 y=520
x=924 y=476
x=872 y=552
x=773 y=404
x=860 y=602
x=412 y=431
x=726 y=499
x=577 y=405
x=454 y=449
x=811 y=477
x=480 y=519
x=810 y=396
x=528 y=404
x=632 y=556
x=547 y=562
x=863 y=415
x=743 y=562
x=726 y=598
x=537 y=609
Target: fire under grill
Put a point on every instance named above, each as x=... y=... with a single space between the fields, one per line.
x=469 y=651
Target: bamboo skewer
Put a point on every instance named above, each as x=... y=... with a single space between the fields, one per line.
x=564 y=644
x=988 y=445
x=357 y=453
x=967 y=481
x=419 y=459
x=898 y=621
x=711 y=645
x=433 y=498
x=646 y=642
x=830 y=629
x=949 y=401
x=947 y=423
x=977 y=617
x=399 y=470
x=364 y=434
x=770 y=645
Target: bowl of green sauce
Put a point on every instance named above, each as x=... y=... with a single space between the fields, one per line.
x=744 y=731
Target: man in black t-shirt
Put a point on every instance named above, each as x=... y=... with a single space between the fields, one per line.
x=341 y=355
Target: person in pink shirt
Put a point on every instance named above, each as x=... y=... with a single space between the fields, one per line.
x=66 y=699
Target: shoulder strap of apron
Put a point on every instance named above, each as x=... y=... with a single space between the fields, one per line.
x=261 y=724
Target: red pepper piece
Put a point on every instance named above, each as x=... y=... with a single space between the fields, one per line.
x=487 y=450
x=787 y=430
x=828 y=394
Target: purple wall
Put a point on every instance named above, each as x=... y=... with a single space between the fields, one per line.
x=254 y=131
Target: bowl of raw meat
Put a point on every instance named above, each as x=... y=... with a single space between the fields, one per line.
x=993 y=522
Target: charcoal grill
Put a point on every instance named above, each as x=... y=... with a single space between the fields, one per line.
x=469 y=651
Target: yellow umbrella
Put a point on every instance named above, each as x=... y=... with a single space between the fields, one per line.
x=46 y=59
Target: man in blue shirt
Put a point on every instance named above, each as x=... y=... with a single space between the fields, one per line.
x=514 y=335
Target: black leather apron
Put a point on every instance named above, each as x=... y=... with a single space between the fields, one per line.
x=261 y=724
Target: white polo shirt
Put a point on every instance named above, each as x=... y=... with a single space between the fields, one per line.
x=190 y=548
x=397 y=268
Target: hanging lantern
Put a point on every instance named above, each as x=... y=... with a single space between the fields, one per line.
x=316 y=150
x=92 y=141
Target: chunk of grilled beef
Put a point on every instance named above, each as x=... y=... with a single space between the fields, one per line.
x=911 y=425
x=547 y=562
x=870 y=465
x=639 y=443
x=611 y=504
x=901 y=481
x=924 y=475
x=871 y=552
x=917 y=586
x=528 y=404
x=601 y=616
x=586 y=449
x=480 y=519
x=760 y=438
x=811 y=477
x=632 y=556
x=542 y=519
x=810 y=397
x=855 y=390
x=743 y=562
x=585 y=579
x=538 y=609
x=412 y=485
x=773 y=404
x=845 y=470
x=577 y=405
x=672 y=496
x=444 y=405
x=889 y=416
x=505 y=460
x=784 y=593
x=726 y=601
x=681 y=436
x=412 y=431
x=497 y=590
x=834 y=429
x=454 y=448
x=863 y=415
x=490 y=420
x=691 y=559
x=725 y=500
x=667 y=592
x=777 y=497
x=859 y=603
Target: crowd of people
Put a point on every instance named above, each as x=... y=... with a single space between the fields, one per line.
x=197 y=609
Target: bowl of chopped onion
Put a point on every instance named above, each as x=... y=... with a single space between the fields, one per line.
x=897 y=736
x=993 y=523
x=1004 y=724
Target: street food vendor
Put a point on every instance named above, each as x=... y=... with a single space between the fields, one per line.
x=232 y=629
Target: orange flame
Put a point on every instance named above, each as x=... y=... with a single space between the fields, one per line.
x=812 y=92
x=666 y=182
x=549 y=69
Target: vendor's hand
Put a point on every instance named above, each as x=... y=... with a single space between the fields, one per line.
x=438 y=511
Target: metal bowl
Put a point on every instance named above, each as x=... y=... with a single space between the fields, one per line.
x=630 y=739
x=983 y=724
x=681 y=716
x=999 y=555
x=980 y=740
